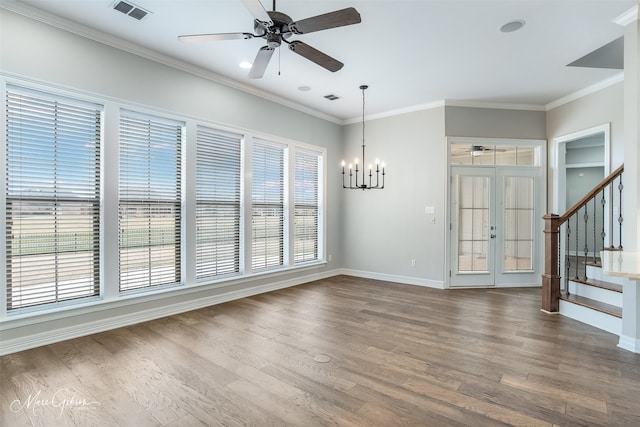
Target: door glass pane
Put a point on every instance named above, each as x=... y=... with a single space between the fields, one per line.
x=505 y=155
x=527 y=156
x=518 y=223
x=461 y=154
x=473 y=216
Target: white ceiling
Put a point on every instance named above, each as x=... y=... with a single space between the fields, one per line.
x=411 y=53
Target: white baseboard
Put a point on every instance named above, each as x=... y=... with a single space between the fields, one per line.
x=394 y=278
x=112 y=322
x=629 y=343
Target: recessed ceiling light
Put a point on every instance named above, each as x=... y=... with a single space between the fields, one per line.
x=246 y=65
x=304 y=88
x=512 y=26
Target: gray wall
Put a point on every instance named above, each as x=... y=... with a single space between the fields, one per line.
x=383 y=230
x=495 y=123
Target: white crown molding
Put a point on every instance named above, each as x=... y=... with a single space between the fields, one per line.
x=448 y=103
x=619 y=77
x=493 y=105
x=398 y=112
x=628 y=17
x=118 y=43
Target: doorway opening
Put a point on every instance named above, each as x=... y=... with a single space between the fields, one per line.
x=496 y=200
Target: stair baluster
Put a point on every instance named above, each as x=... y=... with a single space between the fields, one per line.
x=568 y=258
x=620 y=187
x=577 y=276
x=595 y=240
x=586 y=239
x=603 y=202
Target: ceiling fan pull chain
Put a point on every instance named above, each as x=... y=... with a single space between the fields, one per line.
x=279 y=56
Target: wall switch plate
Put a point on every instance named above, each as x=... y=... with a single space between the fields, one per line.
x=430 y=210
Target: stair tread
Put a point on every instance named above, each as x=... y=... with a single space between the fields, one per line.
x=612 y=249
x=593 y=304
x=600 y=284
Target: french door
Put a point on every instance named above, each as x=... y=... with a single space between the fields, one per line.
x=496 y=226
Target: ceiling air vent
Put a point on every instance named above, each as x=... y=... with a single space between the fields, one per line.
x=332 y=97
x=130 y=9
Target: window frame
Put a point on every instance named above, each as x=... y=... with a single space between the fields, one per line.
x=69 y=106
x=318 y=206
x=147 y=204
x=215 y=132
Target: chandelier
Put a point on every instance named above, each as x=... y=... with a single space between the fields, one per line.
x=363 y=184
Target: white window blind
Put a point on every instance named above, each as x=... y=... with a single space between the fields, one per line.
x=52 y=198
x=306 y=206
x=150 y=201
x=218 y=174
x=267 y=244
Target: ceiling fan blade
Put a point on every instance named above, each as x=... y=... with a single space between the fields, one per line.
x=214 y=37
x=339 y=18
x=314 y=55
x=260 y=63
x=258 y=11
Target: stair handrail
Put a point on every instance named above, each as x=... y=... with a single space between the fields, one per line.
x=553 y=222
x=591 y=194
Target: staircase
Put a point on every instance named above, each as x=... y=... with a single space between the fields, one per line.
x=573 y=283
x=596 y=301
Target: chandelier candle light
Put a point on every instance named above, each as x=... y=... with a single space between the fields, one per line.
x=363 y=185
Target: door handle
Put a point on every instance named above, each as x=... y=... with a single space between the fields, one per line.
x=493 y=236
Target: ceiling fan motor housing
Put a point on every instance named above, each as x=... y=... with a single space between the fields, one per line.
x=275 y=33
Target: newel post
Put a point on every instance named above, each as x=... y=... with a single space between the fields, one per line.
x=550 y=278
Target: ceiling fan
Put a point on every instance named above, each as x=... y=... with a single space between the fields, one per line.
x=477 y=150
x=276 y=27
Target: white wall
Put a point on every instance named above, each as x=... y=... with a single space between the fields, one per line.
x=383 y=230
x=35 y=52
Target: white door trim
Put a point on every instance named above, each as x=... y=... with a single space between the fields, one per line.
x=559 y=166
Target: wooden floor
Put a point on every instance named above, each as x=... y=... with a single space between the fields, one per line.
x=342 y=351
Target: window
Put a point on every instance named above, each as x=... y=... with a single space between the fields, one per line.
x=150 y=201
x=248 y=205
x=306 y=206
x=503 y=155
x=218 y=174
x=267 y=243
x=519 y=224
x=52 y=198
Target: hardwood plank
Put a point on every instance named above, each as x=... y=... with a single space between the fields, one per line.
x=398 y=355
